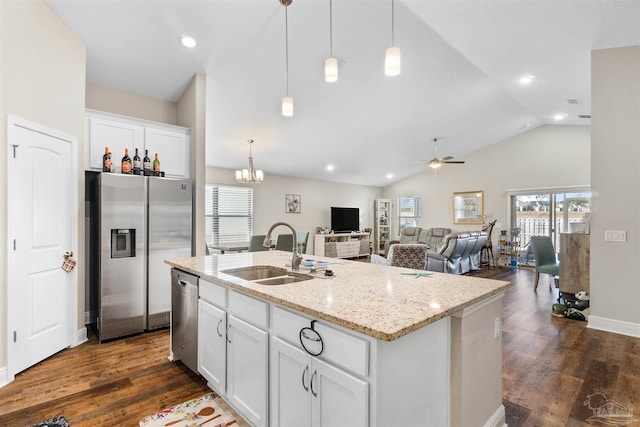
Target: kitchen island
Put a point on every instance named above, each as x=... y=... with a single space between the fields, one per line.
x=370 y=345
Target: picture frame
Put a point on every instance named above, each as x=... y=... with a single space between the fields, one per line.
x=292 y=203
x=468 y=207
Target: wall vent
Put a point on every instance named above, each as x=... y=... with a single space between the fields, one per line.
x=584 y=116
x=574 y=101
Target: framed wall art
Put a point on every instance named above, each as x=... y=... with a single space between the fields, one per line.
x=468 y=207
x=292 y=203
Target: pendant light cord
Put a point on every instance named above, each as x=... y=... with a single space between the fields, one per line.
x=286 y=38
x=393 y=19
x=331 y=28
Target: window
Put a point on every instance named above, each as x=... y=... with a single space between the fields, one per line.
x=408 y=212
x=228 y=214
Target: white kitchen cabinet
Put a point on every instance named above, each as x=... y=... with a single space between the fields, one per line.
x=172 y=146
x=212 y=346
x=247 y=370
x=172 y=143
x=308 y=391
x=115 y=134
x=233 y=349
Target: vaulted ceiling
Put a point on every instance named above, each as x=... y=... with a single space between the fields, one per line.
x=461 y=65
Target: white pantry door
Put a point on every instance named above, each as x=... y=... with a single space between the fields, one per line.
x=41 y=211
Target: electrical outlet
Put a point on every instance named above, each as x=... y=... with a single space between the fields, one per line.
x=615 y=236
x=497 y=328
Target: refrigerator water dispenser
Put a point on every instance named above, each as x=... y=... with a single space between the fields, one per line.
x=123 y=243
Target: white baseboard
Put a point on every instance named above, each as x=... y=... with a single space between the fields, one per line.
x=4 y=379
x=80 y=337
x=615 y=326
x=498 y=419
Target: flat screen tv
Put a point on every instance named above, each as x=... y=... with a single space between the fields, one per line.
x=345 y=220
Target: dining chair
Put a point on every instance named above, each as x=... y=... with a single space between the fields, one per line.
x=545 y=258
x=284 y=242
x=487 y=249
x=256 y=243
x=303 y=237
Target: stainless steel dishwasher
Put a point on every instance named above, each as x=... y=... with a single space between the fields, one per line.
x=184 y=318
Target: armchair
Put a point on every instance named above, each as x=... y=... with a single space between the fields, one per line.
x=406 y=255
x=458 y=254
x=407 y=235
x=433 y=237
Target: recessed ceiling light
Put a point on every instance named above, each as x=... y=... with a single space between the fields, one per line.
x=329 y=167
x=188 y=41
x=560 y=116
x=526 y=80
x=389 y=175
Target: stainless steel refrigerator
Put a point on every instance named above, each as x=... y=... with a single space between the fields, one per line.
x=135 y=223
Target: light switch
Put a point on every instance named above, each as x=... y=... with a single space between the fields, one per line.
x=619 y=236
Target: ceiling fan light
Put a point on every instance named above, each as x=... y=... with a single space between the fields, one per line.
x=331 y=70
x=434 y=164
x=287 y=106
x=392 y=61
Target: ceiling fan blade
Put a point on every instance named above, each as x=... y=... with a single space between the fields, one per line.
x=455 y=162
x=444 y=159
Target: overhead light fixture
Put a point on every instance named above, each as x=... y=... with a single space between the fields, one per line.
x=526 y=80
x=560 y=116
x=287 y=101
x=249 y=175
x=331 y=63
x=188 y=41
x=392 y=54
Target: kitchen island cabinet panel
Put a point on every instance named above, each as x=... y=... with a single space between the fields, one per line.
x=212 y=359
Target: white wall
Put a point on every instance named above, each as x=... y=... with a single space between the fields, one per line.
x=42 y=79
x=317 y=198
x=125 y=103
x=191 y=111
x=615 y=288
x=544 y=157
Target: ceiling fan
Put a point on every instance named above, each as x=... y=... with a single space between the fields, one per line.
x=436 y=162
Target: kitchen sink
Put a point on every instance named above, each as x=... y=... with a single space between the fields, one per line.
x=282 y=280
x=266 y=275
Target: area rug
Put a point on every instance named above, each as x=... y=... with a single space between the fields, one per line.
x=58 y=421
x=204 y=410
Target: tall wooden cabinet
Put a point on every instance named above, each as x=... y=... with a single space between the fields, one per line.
x=574 y=263
x=382 y=224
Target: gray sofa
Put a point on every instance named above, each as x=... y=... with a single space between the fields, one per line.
x=458 y=254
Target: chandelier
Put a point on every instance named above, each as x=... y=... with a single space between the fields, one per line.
x=249 y=175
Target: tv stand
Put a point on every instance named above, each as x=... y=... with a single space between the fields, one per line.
x=343 y=245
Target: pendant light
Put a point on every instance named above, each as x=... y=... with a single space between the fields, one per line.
x=392 y=54
x=249 y=175
x=287 y=101
x=331 y=63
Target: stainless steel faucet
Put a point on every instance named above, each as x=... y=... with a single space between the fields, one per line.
x=296 y=257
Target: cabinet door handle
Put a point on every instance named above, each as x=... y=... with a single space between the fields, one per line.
x=306 y=369
x=218 y=328
x=312 y=377
x=228 y=328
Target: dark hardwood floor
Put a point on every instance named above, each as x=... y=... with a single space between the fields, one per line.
x=550 y=366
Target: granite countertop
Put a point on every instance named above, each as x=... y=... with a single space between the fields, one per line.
x=375 y=300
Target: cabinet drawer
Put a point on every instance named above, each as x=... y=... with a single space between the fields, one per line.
x=212 y=293
x=250 y=309
x=340 y=348
x=348 y=249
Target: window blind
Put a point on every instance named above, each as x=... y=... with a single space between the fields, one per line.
x=228 y=214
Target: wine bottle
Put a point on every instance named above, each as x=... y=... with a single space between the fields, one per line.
x=136 y=163
x=106 y=160
x=146 y=163
x=156 y=164
x=126 y=162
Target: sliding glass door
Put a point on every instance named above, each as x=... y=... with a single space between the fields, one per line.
x=546 y=213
